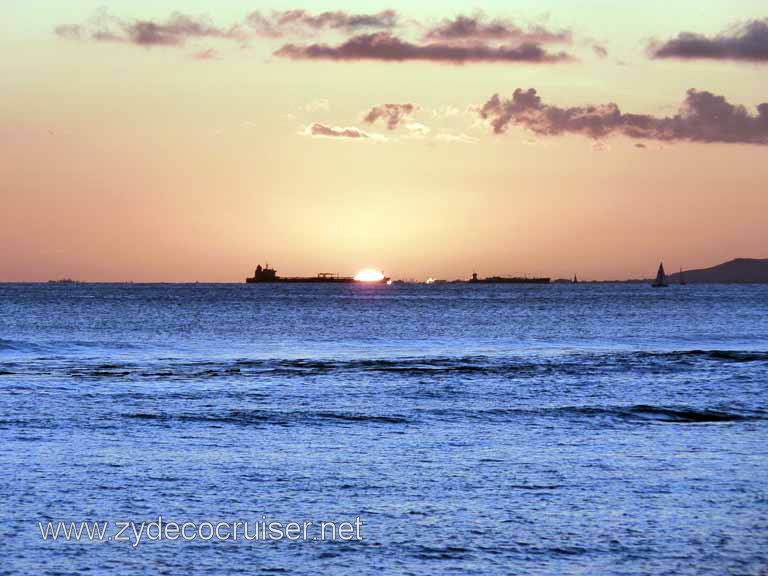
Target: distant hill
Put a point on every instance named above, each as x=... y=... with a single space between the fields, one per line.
x=738 y=271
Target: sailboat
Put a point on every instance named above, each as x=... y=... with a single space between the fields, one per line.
x=682 y=278
x=661 y=278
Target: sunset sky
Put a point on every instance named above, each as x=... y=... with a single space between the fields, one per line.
x=187 y=141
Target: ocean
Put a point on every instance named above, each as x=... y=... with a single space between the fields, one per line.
x=496 y=429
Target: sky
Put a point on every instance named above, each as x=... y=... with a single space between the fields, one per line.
x=188 y=141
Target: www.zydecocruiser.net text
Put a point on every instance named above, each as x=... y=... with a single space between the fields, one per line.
x=262 y=530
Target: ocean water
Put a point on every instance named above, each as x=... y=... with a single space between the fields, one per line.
x=563 y=429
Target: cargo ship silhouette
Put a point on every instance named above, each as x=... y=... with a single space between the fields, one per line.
x=503 y=280
x=266 y=274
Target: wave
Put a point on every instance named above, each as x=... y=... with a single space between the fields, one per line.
x=266 y=417
x=663 y=414
x=569 y=416
x=718 y=355
x=286 y=367
x=633 y=414
x=496 y=364
x=532 y=364
x=417 y=365
x=636 y=414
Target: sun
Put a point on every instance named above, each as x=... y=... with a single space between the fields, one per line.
x=369 y=275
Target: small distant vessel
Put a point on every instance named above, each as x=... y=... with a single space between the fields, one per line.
x=661 y=278
x=64 y=281
x=682 y=278
x=505 y=280
x=266 y=274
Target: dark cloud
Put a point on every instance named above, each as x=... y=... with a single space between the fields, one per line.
x=748 y=42
x=337 y=20
x=703 y=117
x=179 y=28
x=478 y=28
x=393 y=114
x=324 y=131
x=369 y=36
x=303 y=23
x=175 y=31
x=384 y=46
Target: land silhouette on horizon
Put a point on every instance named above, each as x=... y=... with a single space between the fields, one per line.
x=736 y=271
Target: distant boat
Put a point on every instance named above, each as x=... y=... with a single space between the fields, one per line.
x=661 y=278
x=682 y=278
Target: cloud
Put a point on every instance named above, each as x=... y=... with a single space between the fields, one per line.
x=384 y=46
x=393 y=114
x=178 y=28
x=478 y=28
x=263 y=26
x=174 y=31
x=318 y=130
x=703 y=117
x=367 y=36
x=301 y=21
x=747 y=42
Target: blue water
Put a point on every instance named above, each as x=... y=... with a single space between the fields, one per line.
x=574 y=429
